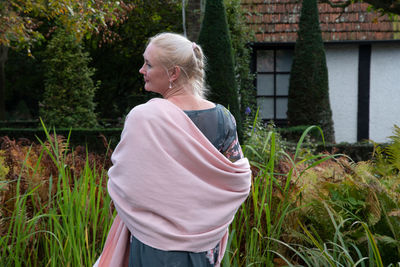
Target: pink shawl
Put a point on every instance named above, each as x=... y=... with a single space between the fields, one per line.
x=171 y=187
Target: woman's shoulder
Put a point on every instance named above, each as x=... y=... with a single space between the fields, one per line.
x=150 y=111
x=154 y=105
x=227 y=115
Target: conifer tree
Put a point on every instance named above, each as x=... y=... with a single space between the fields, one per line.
x=69 y=88
x=308 y=89
x=215 y=40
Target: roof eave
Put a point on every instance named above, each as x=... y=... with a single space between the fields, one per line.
x=283 y=44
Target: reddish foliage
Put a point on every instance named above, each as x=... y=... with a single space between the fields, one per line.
x=31 y=164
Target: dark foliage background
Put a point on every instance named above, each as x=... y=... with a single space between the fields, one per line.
x=116 y=64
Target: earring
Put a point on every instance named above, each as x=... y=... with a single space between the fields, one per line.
x=170 y=85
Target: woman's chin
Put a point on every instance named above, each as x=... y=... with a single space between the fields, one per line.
x=150 y=89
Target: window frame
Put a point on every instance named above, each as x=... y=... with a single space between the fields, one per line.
x=275 y=73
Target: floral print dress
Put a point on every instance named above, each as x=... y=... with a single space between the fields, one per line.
x=219 y=126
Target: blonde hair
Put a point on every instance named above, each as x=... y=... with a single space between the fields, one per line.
x=177 y=50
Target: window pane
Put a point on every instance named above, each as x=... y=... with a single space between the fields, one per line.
x=265 y=84
x=282 y=84
x=284 y=60
x=266 y=105
x=265 y=60
x=281 y=108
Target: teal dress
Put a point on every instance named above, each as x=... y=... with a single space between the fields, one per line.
x=219 y=126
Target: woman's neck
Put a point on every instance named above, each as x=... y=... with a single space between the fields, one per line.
x=186 y=100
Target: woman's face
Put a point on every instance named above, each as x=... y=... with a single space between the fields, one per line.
x=155 y=75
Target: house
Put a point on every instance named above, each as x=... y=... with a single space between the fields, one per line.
x=363 y=59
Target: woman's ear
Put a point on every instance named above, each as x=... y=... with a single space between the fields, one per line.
x=175 y=72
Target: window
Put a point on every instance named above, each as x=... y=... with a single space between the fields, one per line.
x=273 y=73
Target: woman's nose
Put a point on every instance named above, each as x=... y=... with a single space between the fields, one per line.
x=142 y=71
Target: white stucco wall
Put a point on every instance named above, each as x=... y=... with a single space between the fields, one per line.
x=384 y=91
x=342 y=62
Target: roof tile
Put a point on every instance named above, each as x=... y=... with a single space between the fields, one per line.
x=277 y=21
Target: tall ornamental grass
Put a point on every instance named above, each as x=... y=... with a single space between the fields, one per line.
x=339 y=251
x=314 y=210
x=303 y=209
x=261 y=218
x=59 y=220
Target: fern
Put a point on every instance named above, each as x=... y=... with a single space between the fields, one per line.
x=393 y=150
x=387 y=158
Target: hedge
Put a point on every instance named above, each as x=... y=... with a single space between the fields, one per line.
x=95 y=142
x=356 y=151
x=19 y=124
x=92 y=138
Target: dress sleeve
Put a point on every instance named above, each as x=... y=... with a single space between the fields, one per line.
x=231 y=147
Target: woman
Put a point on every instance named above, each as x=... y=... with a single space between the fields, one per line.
x=178 y=175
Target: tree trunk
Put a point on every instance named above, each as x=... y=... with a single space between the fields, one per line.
x=3 y=59
x=194 y=12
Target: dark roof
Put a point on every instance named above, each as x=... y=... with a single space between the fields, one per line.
x=277 y=21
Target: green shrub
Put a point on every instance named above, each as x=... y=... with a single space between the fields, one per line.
x=257 y=145
x=241 y=33
x=69 y=88
x=308 y=102
x=258 y=134
x=293 y=133
x=215 y=40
